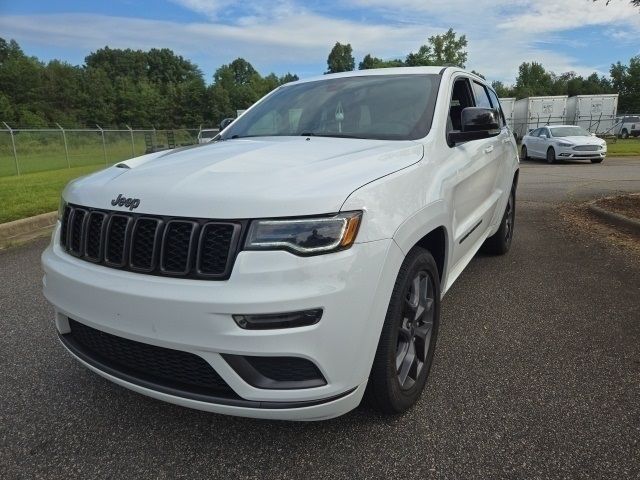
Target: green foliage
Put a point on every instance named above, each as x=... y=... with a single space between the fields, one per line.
x=445 y=49
x=369 y=62
x=626 y=80
x=341 y=58
x=118 y=87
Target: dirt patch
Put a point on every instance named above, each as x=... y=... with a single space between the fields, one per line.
x=586 y=225
x=627 y=205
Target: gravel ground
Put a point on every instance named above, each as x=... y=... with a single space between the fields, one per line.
x=536 y=375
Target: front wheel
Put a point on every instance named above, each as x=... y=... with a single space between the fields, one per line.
x=525 y=154
x=597 y=160
x=625 y=134
x=500 y=242
x=551 y=156
x=408 y=339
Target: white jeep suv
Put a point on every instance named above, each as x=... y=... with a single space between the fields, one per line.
x=298 y=260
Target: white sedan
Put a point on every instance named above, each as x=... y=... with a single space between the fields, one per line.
x=563 y=142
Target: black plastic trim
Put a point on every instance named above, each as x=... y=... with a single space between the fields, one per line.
x=470 y=232
x=77 y=351
x=103 y=227
x=125 y=242
x=233 y=249
x=154 y=254
x=256 y=379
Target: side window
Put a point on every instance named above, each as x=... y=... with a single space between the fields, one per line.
x=496 y=105
x=535 y=133
x=461 y=98
x=482 y=98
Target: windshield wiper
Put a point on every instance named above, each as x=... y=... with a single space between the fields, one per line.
x=335 y=135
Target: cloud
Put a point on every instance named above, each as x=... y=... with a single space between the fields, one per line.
x=297 y=36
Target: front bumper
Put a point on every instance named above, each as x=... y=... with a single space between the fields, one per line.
x=195 y=316
x=568 y=153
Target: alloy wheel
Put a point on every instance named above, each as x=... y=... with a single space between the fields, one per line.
x=414 y=336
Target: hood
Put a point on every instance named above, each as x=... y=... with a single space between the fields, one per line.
x=247 y=178
x=580 y=140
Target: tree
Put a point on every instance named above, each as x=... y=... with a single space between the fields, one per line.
x=625 y=79
x=369 y=62
x=532 y=80
x=341 y=59
x=445 y=49
x=501 y=89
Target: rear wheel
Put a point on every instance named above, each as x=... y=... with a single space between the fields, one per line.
x=500 y=242
x=407 y=342
x=551 y=155
x=525 y=154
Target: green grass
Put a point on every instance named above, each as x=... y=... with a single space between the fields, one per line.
x=35 y=193
x=626 y=147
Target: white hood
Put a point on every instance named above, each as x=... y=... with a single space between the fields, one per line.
x=580 y=140
x=247 y=178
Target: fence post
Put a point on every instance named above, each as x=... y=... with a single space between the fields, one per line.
x=133 y=145
x=13 y=144
x=104 y=145
x=64 y=140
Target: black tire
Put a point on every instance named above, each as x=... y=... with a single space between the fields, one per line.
x=500 y=242
x=525 y=154
x=624 y=134
x=385 y=390
x=597 y=160
x=551 y=155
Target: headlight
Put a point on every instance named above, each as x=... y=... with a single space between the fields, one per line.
x=61 y=206
x=305 y=236
x=565 y=144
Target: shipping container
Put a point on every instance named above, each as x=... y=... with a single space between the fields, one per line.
x=534 y=112
x=507 y=108
x=596 y=113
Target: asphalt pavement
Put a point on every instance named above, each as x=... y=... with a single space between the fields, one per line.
x=536 y=375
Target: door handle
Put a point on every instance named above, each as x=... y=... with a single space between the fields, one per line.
x=489 y=149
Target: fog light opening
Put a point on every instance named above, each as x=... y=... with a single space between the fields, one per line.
x=268 y=321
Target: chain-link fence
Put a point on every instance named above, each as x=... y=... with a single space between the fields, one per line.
x=29 y=150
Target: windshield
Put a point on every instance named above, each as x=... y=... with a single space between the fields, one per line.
x=384 y=107
x=569 y=132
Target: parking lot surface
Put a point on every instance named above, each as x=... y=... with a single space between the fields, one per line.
x=536 y=375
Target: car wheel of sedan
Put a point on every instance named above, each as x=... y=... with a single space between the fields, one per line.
x=551 y=155
x=525 y=154
x=597 y=160
x=408 y=339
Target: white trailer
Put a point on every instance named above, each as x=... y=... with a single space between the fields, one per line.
x=507 y=109
x=534 y=112
x=595 y=113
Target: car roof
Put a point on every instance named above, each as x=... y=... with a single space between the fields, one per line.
x=381 y=71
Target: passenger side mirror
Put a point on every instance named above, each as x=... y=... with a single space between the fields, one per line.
x=543 y=135
x=225 y=123
x=477 y=123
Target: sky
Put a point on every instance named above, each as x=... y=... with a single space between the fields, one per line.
x=296 y=36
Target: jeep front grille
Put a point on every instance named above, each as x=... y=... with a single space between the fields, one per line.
x=173 y=246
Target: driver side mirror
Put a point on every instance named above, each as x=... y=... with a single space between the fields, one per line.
x=225 y=123
x=477 y=123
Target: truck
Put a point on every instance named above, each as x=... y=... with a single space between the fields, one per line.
x=595 y=113
x=535 y=112
x=507 y=108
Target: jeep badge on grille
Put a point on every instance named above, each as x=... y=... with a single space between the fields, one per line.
x=123 y=201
